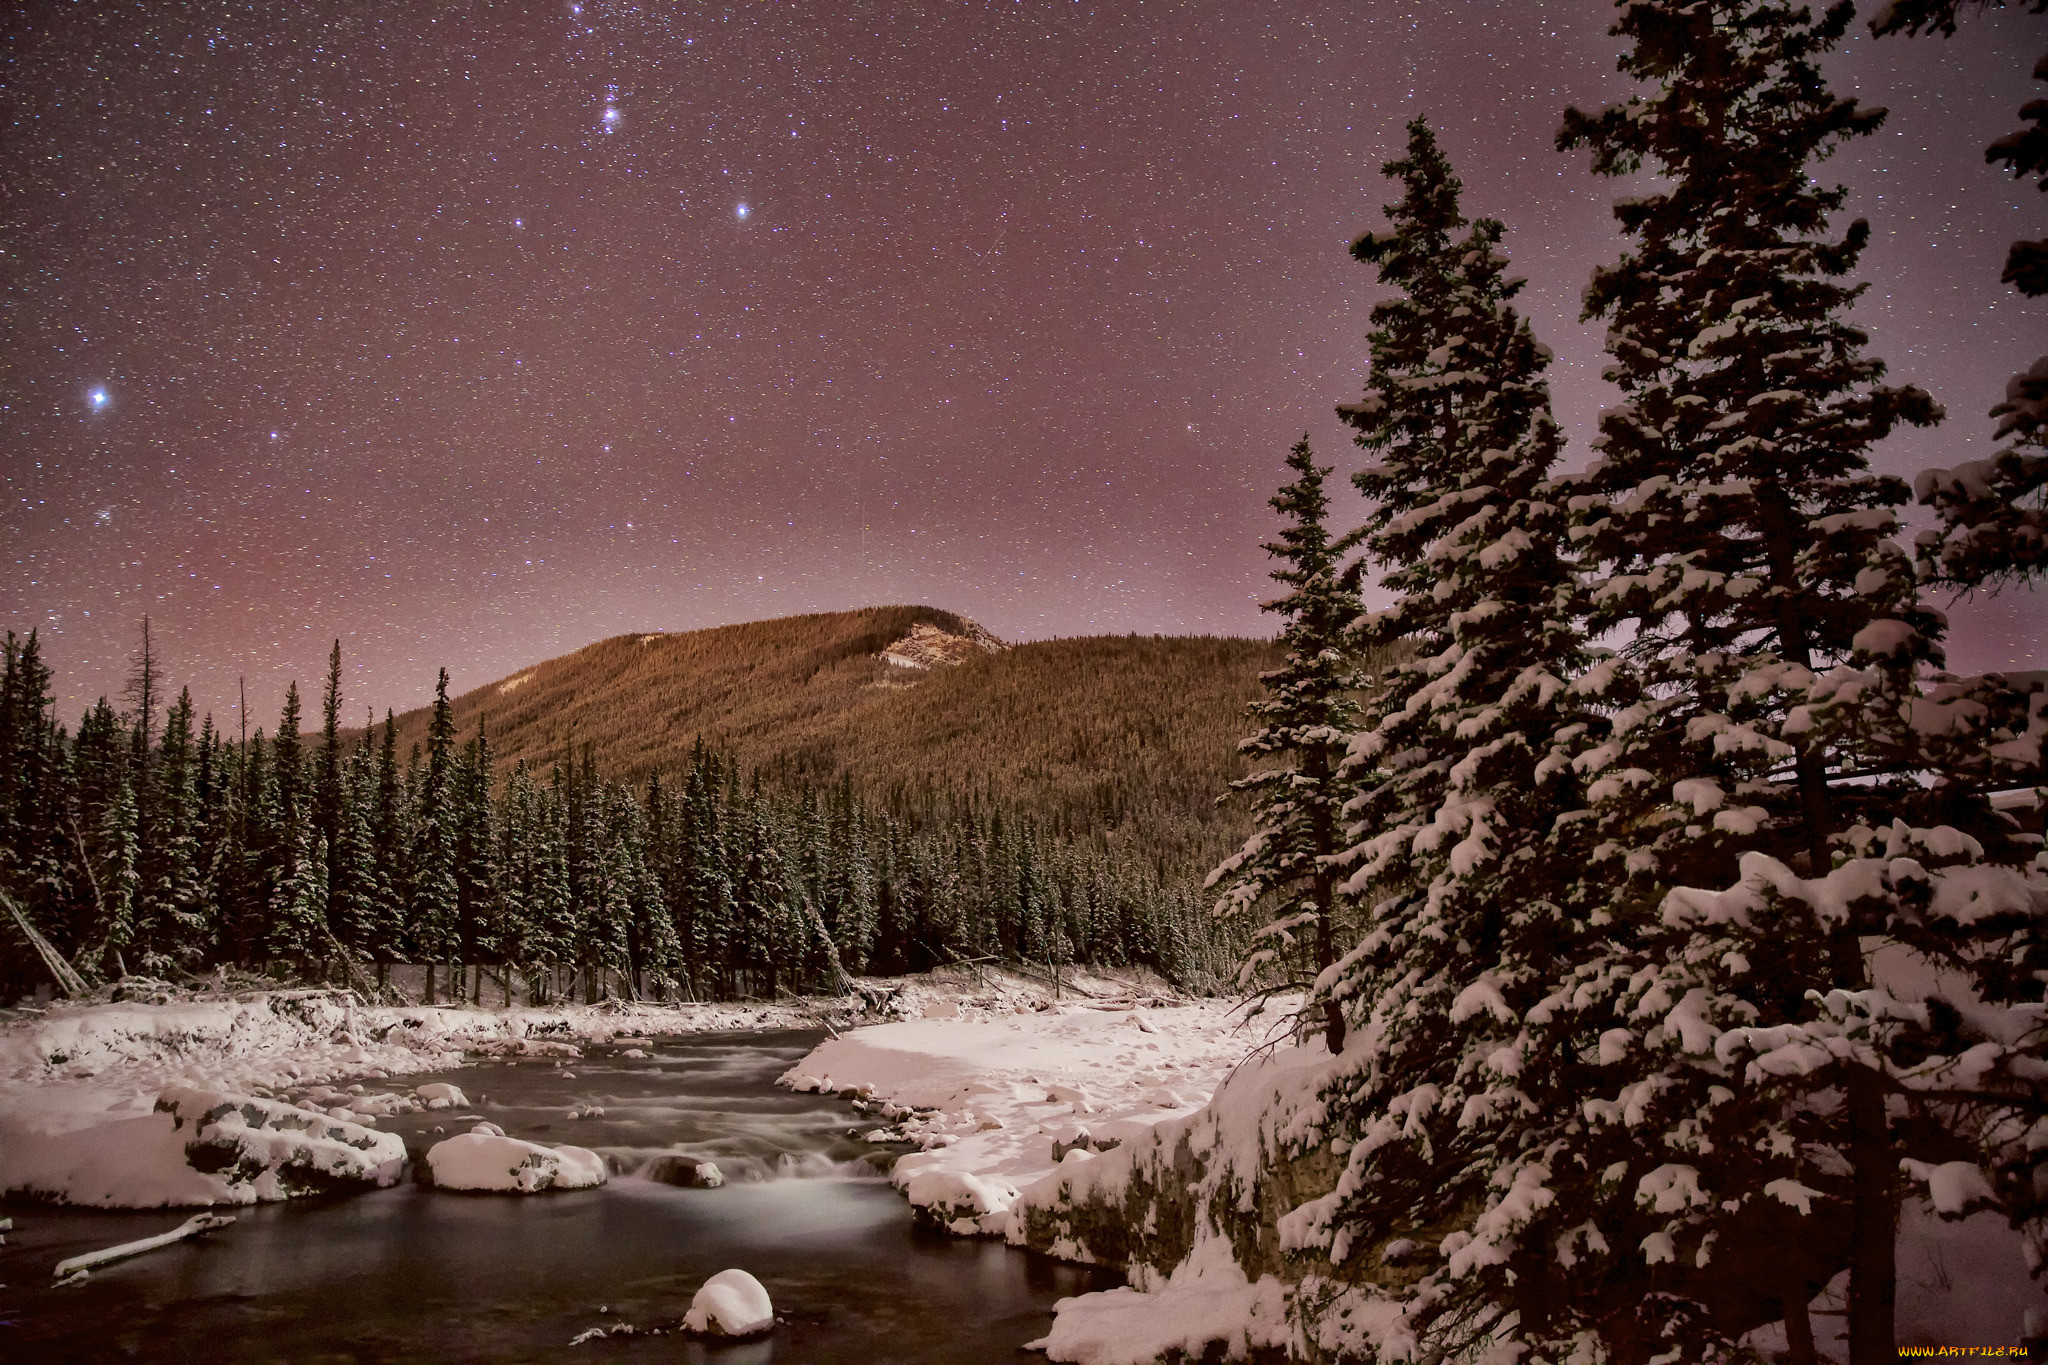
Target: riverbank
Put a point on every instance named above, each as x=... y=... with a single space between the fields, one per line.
x=73 y=1069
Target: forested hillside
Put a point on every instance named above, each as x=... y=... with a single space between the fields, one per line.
x=728 y=812
x=1135 y=734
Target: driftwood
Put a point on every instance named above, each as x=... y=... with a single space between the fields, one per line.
x=191 y=1227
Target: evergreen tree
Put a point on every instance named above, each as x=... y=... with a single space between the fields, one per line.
x=1758 y=759
x=171 y=913
x=327 y=786
x=476 y=851
x=1994 y=513
x=111 y=866
x=387 y=837
x=433 y=896
x=1288 y=863
x=298 y=906
x=1459 y=1092
x=288 y=763
x=33 y=851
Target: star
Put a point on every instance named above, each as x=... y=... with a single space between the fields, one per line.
x=99 y=399
x=741 y=211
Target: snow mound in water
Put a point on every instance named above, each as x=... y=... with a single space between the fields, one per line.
x=441 y=1095
x=508 y=1165
x=958 y=1201
x=732 y=1303
x=199 y=1147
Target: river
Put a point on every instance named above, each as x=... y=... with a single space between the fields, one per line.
x=411 y=1274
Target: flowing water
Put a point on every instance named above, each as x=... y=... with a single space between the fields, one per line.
x=414 y=1274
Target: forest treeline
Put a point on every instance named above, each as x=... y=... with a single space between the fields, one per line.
x=1133 y=735
x=150 y=843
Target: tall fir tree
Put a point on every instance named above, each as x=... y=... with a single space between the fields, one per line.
x=171 y=908
x=1287 y=870
x=327 y=784
x=1457 y=1104
x=433 y=895
x=1761 y=825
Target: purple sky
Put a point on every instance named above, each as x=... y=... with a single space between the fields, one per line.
x=471 y=333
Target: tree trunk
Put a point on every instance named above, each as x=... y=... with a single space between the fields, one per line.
x=1873 y=1224
x=1798 y=1329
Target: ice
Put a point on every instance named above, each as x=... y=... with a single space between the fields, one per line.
x=732 y=1303
x=497 y=1164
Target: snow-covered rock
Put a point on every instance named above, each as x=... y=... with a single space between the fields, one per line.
x=441 y=1095
x=732 y=1303
x=684 y=1171
x=961 y=1203
x=498 y=1164
x=197 y=1147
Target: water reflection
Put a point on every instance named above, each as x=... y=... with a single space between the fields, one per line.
x=412 y=1274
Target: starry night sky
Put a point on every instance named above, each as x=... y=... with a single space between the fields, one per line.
x=470 y=333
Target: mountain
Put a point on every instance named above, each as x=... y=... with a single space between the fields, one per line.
x=1128 y=737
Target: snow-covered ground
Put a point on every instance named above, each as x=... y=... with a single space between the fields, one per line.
x=83 y=1114
x=995 y=1092
x=996 y=1101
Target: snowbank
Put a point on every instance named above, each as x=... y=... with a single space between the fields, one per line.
x=196 y=1147
x=79 y=1087
x=988 y=1096
x=1039 y=1129
x=732 y=1303
x=1206 y=1302
x=484 y=1159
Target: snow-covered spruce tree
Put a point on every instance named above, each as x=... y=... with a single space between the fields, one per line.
x=1760 y=820
x=432 y=893
x=170 y=916
x=1994 y=513
x=1452 y=1094
x=1285 y=870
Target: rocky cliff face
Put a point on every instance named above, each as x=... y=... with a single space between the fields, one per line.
x=927 y=646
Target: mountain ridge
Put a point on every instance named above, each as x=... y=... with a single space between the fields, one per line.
x=1124 y=737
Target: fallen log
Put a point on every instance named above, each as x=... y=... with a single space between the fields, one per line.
x=191 y=1227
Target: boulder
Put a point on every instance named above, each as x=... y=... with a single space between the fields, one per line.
x=732 y=1303
x=490 y=1162
x=685 y=1171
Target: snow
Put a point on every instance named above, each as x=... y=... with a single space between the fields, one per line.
x=494 y=1163
x=732 y=1303
x=1043 y=1113
x=1206 y=1300
x=194 y=1147
x=80 y=1087
x=991 y=1093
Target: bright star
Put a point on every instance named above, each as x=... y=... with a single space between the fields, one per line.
x=98 y=397
x=741 y=210
x=611 y=116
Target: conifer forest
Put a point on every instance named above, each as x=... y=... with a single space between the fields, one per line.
x=148 y=844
